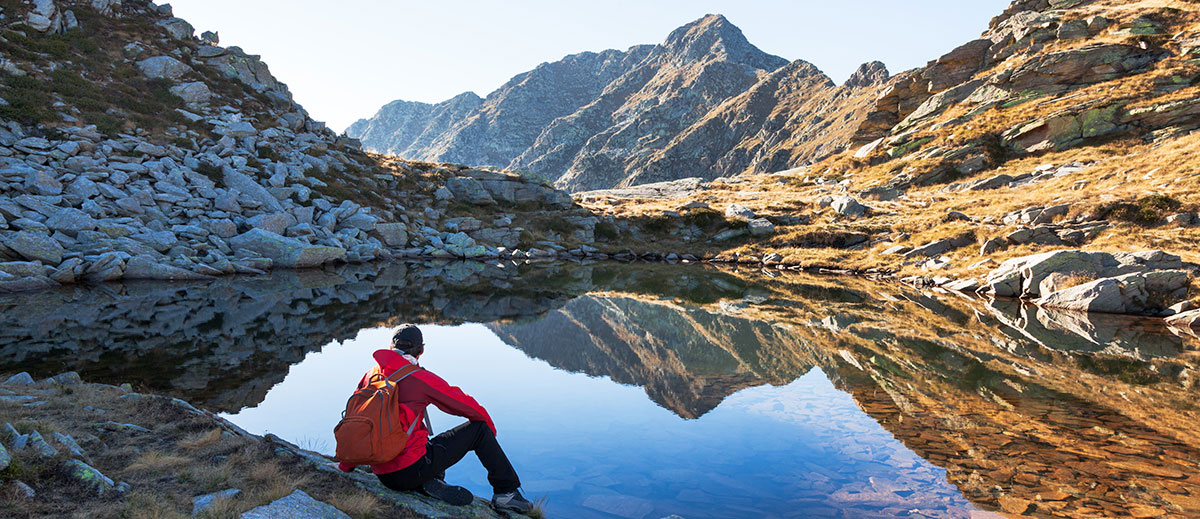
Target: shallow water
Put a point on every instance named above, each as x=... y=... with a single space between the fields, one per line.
x=646 y=391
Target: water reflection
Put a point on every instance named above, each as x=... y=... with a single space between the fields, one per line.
x=1025 y=411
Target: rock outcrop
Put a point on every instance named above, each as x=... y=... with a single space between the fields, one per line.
x=159 y=155
x=1121 y=283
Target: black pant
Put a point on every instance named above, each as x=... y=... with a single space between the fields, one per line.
x=446 y=449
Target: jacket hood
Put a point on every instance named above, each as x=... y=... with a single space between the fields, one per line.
x=391 y=359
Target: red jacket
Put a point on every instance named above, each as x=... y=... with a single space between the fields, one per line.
x=418 y=391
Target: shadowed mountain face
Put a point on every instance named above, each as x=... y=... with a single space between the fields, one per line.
x=704 y=101
x=1031 y=412
x=687 y=359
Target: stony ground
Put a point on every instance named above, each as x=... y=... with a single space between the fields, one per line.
x=74 y=449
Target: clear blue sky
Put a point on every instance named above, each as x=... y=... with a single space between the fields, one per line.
x=344 y=59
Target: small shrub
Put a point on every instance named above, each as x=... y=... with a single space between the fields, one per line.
x=706 y=219
x=658 y=224
x=267 y=153
x=527 y=240
x=1149 y=210
x=606 y=231
x=212 y=171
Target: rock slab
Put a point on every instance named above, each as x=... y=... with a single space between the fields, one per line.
x=286 y=252
x=298 y=505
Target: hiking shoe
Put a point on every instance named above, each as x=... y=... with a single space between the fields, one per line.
x=454 y=495
x=513 y=501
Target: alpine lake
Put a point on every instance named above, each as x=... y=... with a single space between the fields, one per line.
x=647 y=391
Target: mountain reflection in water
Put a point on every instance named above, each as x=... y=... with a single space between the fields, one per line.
x=1028 y=411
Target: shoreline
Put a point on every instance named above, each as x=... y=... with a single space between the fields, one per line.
x=1185 y=314
x=110 y=447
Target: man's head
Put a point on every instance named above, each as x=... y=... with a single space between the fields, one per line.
x=408 y=340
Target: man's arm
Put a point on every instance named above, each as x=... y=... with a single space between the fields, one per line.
x=453 y=400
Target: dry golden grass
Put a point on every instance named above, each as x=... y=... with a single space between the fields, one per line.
x=155 y=462
x=146 y=505
x=357 y=503
x=185 y=456
x=1122 y=171
x=210 y=477
x=201 y=440
x=225 y=508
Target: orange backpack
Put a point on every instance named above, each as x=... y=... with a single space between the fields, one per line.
x=373 y=427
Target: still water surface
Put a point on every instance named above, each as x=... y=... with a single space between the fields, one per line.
x=645 y=391
x=593 y=447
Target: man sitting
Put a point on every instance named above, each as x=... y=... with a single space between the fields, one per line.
x=423 y=462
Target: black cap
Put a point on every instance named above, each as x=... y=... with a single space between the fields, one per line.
x=407 y=338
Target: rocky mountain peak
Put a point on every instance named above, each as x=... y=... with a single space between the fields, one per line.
x=868 y=74
x=713 y=36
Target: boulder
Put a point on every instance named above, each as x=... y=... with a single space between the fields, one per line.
x=1022 y=277
x=23 y=269
x=20 y=379
x=89 y=477
x=106 y=267
x=1073 y=29
x=761 y=227
x=394 y=234
x=298 y=505
x=42 y=183
x=35 y=441
x=730 y=234
x=161 y=241
x=1138 y=293
x=361 y=220
x=277 y=223
x=163 y=67
x=69 y=378
x=992 y=245
x=500 y=236
x=192 y=93
x=201 y=503
x=995 y=182
x=286 y=252
x=739 y=212
x=178 y=28
x=1042 y=234
x=36 y=247
x=107 y=7
x=44 y=16
x=147 y=267
x=238 y=129
x=250 y=189
x=848 y=206
x=71 y=221
x=939 y=247
x=469 y=190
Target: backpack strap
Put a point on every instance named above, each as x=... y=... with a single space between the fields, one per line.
x=403 y=373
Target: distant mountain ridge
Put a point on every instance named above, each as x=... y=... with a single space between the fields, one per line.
x=652 y=112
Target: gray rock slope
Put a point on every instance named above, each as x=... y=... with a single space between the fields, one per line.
x=591 y=119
